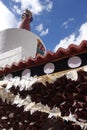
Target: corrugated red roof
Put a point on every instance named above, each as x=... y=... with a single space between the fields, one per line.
x=48 y=57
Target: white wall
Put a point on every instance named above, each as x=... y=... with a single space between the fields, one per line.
x=13 y=38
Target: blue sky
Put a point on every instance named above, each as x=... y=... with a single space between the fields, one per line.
x=57 y=22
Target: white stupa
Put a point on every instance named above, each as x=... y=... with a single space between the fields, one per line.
x=19 y=43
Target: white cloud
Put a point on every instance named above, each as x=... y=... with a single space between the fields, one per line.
x=48 y=4
x=41 y=30
x=65 y=24
x=73 y=38
x=36 y=6
x=16 y=9
x=7 y=19
x=44 y=32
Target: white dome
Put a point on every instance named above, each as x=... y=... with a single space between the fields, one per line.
x=13 y=38
x=16 y=44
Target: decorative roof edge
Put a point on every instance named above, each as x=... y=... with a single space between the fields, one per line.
x=61 y=53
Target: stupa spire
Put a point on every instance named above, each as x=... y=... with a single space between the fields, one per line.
x=26 y=20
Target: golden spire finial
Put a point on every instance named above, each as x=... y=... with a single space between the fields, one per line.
x=26 y=19
x=27 y=13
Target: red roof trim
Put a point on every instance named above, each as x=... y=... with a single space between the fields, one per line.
x=48 y=57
